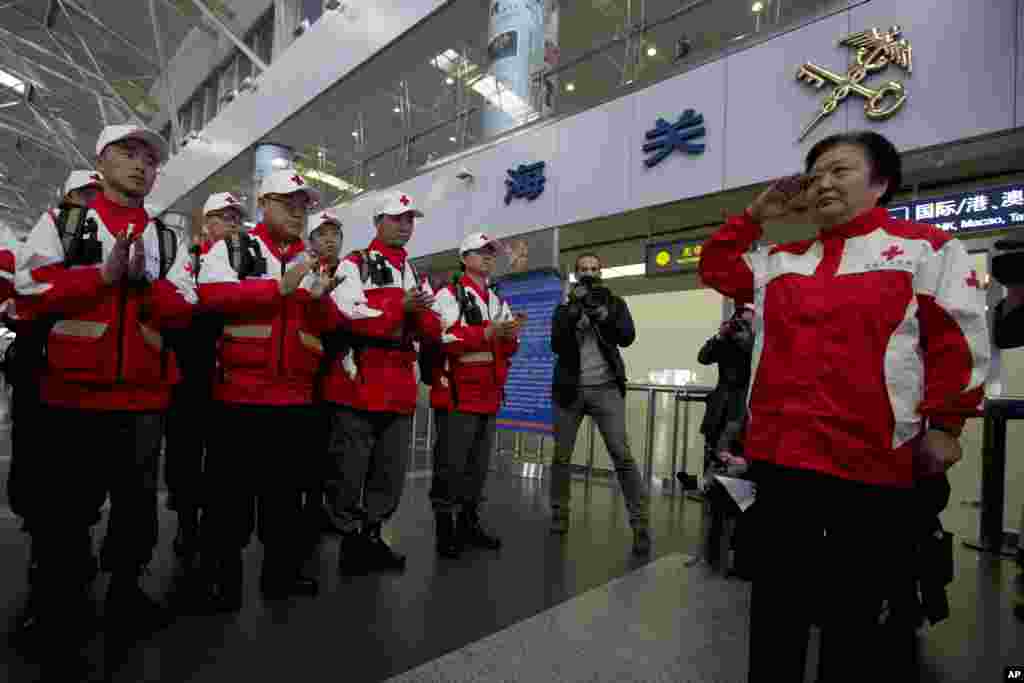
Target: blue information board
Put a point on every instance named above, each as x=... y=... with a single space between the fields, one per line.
x=527 y=405
x=996 y=208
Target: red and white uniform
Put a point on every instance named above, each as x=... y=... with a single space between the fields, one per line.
x=271 y=347
x=862 y=335
x=9 y=247
x=105 y=352
x=477 y=366
x=379 y=374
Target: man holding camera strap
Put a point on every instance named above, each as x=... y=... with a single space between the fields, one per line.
x=480 y=334
x=590 y=379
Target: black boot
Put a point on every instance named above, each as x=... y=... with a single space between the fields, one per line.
x=129 y=611
x=353 y=560
x=186 y=542
x=447 y=539
x=472 y=531
x=379 y=555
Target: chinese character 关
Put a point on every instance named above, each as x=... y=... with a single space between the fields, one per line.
x=525 y=182
x=924 y=211
x=666 y=137
x=1013 y=198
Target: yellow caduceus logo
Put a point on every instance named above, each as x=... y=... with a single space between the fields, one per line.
x=663 y=258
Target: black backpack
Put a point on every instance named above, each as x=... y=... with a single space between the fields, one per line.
x=245 y=256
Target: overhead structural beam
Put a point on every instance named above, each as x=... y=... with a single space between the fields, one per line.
x=170 y=103
x=65 y=60
x=51 y=13
x=99 y=69
x=215 y=20
x=89 y=15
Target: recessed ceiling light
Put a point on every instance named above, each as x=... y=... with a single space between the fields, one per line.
x=355 y=133
x=373 y=175
x=398 y=110
x=570 y=86
x=452 y=138
x=757 y=7
x=450 y=80
x=652 y=51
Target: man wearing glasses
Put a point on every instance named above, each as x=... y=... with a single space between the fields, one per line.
x=274 y=309
x=187 y=419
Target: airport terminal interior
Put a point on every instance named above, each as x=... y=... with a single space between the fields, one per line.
x=443 y=100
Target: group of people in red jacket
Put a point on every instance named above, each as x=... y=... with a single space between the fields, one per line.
x=308 y=363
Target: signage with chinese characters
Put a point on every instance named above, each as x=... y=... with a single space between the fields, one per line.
x=525 y=182
x=875 y=51
x=991 y=209
x=677 y=256
x=667 y=137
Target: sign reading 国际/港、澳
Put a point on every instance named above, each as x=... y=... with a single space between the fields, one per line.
x=996 y=208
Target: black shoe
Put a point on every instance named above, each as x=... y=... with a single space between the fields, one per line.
x=379 y=555
x=447 y=539
x=131 y=612
x=472 y=532
x=353 y=559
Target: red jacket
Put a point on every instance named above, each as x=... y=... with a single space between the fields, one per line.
x=477 y=367
x=863 y=335
x=271 y=347
x=105 y=352
x=379 y=374
x=8 y=250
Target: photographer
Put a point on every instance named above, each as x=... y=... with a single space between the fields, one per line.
x=726 y=410
x=590 y=379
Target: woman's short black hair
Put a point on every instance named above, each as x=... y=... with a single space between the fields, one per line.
x=882 y=155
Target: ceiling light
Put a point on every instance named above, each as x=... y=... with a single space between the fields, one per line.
x=15 y=84
x=450 y=80
x=498 y=95
x=614 y=272
x=373 y=175
x=355 y=133
x=333 y=181
x=652 y=51
x=570 y=87
x=757 y=7
x=452 y=138
x=398 y=110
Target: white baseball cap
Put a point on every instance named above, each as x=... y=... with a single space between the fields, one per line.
x=82 y=179
x=476 y=240
x=287 y=181
x=317 y=219
x=395 y=204
x=112 y=134
x=222 y=200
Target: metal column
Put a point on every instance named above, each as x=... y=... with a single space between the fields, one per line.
x=649 y=446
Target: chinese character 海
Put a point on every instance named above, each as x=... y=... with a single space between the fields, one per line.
x=977 y=204
x=924 y=211
x=667 y=137
x=1013 y=198
x=947 y=208
x=526 y=181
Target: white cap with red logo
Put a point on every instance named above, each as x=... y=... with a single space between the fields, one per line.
x=112 y=134
x=287 y=181
x=476 y=240
x=319 y=219
x=220 y=201
x=395 y=204
x=82 y=179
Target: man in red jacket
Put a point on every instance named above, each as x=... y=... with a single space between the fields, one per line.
x=480 y=336
x=274 y=310
x=373 y=386
x=107 y=380
x=871 y=350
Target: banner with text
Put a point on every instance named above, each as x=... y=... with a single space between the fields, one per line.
x=528 y=390
x=996 y=208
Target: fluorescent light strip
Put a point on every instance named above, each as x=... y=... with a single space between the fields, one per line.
x=631 y=270
x=12 y=82
x=333 y=181
x=487 y=86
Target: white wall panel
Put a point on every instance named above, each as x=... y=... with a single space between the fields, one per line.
x=963 y=68
x=767 y=107
x=598 y=159
x=486 y=209
x=679 y=175
x=297 y=77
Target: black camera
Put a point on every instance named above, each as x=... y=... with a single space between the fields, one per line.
x=590 y=294
x=378 y=272
x=79 y=236
x=1008 y=263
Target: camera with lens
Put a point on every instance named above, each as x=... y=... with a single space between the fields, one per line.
x=1008 y=263
x=79 y=236
x=590 y=295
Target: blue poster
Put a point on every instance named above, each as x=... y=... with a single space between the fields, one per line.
x=527 y=405
x=996 y=208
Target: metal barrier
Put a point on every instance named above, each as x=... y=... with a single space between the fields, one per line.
x=992 y=537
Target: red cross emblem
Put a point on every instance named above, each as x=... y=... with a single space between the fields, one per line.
x=973 y=281
x=188 y=268
x=405 y=200
x=892 y=252
x=297 y=179
x=230 y=199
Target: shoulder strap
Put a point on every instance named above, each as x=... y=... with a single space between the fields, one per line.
x=167 y=242
x=362 y=256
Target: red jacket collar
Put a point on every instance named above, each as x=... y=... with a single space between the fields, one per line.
x=861 y=225
x=117 y=218
x=467 y=281
x=395 y=255
x=284 y=256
